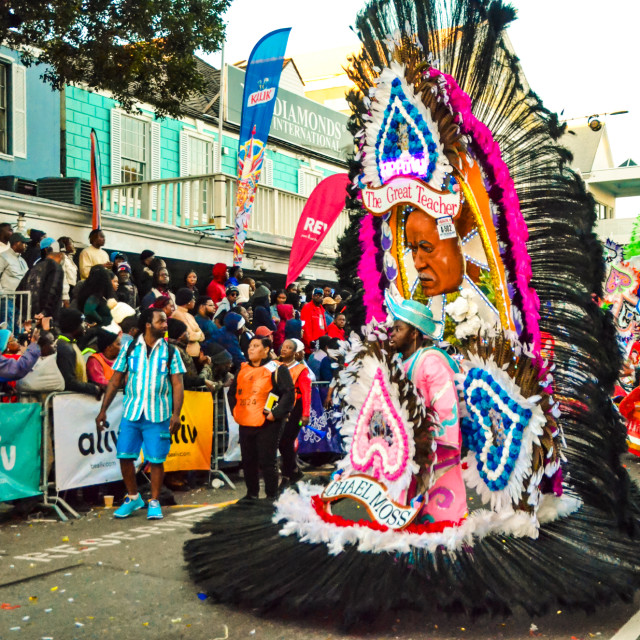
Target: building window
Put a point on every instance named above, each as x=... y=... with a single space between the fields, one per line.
x=201 y=164
x=4 y=112
x=308 y=180
x=134 y=149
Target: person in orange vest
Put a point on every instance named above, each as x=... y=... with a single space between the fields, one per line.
x=299 y=416
x=100 y=364
x=261 y=397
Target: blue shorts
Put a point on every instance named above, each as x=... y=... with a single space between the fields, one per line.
x=153 y=438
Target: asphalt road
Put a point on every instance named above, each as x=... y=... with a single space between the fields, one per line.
x=124 y=579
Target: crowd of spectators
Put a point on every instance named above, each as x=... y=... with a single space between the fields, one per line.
x=86 y=309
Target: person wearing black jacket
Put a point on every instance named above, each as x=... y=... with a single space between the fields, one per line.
x=261 y=309
x=44 y=280
x=261 y=422
x=70 y=360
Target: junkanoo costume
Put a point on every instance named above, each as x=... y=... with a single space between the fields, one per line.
x=465 y=217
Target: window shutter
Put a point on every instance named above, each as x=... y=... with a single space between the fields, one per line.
x=215 y=147
x=155 y=161
x=302 y=186
x=266 y=175
x=184 y=171
x=116 y=157
x=19 y=106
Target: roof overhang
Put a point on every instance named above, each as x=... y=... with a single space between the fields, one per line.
x=621 y=182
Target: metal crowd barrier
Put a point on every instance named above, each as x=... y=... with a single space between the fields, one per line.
x=15 y=310
x=220 y=436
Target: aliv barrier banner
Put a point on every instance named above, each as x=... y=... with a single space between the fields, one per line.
x=83 y=456
x=191 y=445
x=20 y=458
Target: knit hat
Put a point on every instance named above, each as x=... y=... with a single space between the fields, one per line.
x=121 y=311
x=261 y=292
x=217 y=353
x=36 y=235
x=233 y=321
x=147 y=253
x=175 y=328
x=161 y=302
x=124 y=266
x=292 y=329
x=184 y=296
x=106 y=338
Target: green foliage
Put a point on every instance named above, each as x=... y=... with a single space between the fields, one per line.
x=633 y=248
x=139 y=50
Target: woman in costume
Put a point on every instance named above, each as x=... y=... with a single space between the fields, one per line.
x=462 y=205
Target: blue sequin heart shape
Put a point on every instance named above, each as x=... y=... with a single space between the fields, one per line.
x=494 y=428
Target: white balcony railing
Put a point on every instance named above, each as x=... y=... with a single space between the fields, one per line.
x=209 y=200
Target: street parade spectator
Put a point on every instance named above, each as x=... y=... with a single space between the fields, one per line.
x=293 y=329
x=251 y=282
x=205 y=310
x=228 y=337
x=293 y=296
x=285 y=313
x=277 y=297
x=198 y=369
x=160 y=287
x=45 y=281
x=153 y=399
x=327 y=291
x=247 y=335
x=69 y=268
x=313 y=319
x=299 y=416
x=45 y=377
x=97 y=296
x=70 y=360
x=260 y=419
x=13 y=267
x=235 y=277
x=127 y=291
x=100 y=364
x=329 y=305
x=245 y=293
x=6 y=231
x=216 y=289
x=190 y=281
x=185 y=303
x=32 y=249
x=336 y=328
x=94 y=254
x=130 y=330
x=164 y=303
x=230 y=299
x=261 y=309
x=143 y=273
x=117 y=258
x=14 y=369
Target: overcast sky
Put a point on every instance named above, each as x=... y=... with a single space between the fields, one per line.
x=580 y=56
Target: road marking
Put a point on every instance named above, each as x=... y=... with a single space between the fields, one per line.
x=208 y=507
x=631 y=630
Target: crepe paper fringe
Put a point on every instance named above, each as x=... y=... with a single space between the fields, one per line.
x=369 y=273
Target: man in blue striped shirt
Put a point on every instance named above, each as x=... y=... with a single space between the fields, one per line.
x=152 y=402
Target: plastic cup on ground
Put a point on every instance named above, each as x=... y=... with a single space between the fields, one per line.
x=108 y=502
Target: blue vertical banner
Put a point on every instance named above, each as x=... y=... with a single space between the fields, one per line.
x=260 y=89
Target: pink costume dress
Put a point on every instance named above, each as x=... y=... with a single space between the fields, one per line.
x=432 y=371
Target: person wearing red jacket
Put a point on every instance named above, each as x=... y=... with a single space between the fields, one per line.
x=216 y=289
x=291 y=356
x=336 y=328
x=314 y=323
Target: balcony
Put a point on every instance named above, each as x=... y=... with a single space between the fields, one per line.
x=207 y=203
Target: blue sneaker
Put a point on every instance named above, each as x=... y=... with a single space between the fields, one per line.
x=154 y=512
x=128 y=507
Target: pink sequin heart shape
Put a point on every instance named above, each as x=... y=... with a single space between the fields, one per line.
x=617 y=280
x=380 y=444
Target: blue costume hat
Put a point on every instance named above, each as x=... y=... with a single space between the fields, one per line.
x=415 y=314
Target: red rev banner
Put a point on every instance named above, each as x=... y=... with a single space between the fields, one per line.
x=318 y=216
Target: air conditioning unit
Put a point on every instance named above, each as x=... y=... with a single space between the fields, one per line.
x=16 y=184
x=70 y=190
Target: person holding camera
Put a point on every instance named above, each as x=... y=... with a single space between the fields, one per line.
x=261 y=397
x=11 y=369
